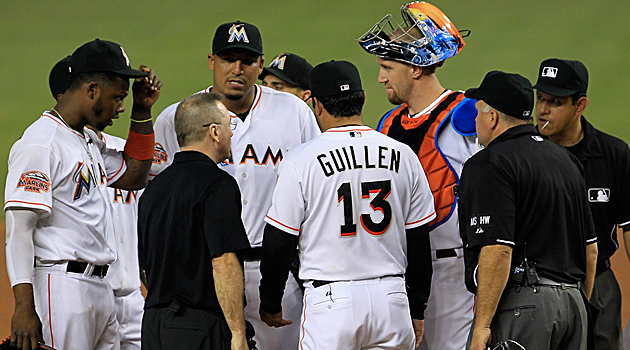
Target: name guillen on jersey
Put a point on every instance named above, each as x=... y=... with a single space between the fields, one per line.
x=345 y=158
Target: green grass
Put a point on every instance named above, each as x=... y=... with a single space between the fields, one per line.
x=173 y=37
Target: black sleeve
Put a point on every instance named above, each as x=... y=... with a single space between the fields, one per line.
x=222 y=223
x=419 y=270
x=277 y=253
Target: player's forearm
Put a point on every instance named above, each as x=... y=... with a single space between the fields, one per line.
x=277 y=251
x=591 y=268
x=24 y=298
x=419 y=270
x=228 y=284
x=20 y=251
x=492 y=274
x=626 y=240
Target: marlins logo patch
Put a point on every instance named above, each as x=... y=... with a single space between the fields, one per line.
x=159 y=154
x=278 y=62
x=599 y=195
x=237 y=33
x=34 y=181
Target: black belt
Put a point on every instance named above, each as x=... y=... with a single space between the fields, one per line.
x=317 y=283
x=445 y=253
x=602 y=265
x=546 y=282
x=80 y=267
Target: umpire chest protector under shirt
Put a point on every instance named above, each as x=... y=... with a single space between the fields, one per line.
x=525 y=189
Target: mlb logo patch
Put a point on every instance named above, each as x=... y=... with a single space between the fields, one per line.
x=599 y=195
x=537 y=138
x=355 y=134
x=344 y=87
x=550 y=72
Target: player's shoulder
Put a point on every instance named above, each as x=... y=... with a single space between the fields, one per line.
x=280 y=101
x=43 y=132
x=113 y=142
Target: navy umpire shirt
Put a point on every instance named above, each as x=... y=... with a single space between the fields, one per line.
x=188 y=214
x=526 y=192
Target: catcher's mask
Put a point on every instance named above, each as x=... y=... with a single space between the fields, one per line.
x=425 y=37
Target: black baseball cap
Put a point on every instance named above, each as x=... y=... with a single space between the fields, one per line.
x=235 y=35
x=100 y=56
x=335 y=78
x=562 y=77
x=508 y=93
x=59 y=77
x=291 y=68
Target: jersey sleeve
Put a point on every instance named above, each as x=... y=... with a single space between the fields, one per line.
x=166 y=144
x=287 y=208
x=487 y=208
x=310 y=129
x=422 y=210
x=31 y=178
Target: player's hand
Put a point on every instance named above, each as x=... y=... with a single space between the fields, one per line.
x=26 y=329
x=273 y=320
x=418 y=328
x=146 y=91
x=481 y=338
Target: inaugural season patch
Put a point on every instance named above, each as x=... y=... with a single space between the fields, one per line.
x=34 y=181
x=159 y=154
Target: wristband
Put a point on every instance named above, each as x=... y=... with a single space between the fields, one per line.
x=140 y=146
x=142 y=121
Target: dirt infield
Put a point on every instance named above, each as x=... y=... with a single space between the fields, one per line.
x=620 y=264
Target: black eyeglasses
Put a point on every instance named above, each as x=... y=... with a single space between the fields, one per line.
x=233 y=124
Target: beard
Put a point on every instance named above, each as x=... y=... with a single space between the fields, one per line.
x=234 y=97
x=394 y=99
x=97 y=111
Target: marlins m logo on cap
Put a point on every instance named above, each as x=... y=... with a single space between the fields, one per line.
x=550 y=72
x=278 y=62
x=237 y=32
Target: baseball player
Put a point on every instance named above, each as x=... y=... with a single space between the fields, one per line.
x=290 y=73
x=438 y=124
x=58 y=216
x=124 y=274
x=354 y=201
x=560 y=104
x=267 y=124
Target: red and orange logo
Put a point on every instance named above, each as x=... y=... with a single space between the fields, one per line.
x=34 y=181
x=159 y=154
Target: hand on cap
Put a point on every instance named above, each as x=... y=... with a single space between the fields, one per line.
x=146 y=91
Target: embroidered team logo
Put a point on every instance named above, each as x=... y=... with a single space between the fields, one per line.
x=599 y=195
x=279 y=61
x=237 y=33
x=34 y=181
x=550 y=72
x=84 y=179
x=159 y=154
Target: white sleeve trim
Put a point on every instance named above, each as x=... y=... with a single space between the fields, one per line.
x=505 y=242
x=592 y=240
x=624 y=224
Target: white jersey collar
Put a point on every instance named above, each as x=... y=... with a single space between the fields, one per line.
x=432 y=106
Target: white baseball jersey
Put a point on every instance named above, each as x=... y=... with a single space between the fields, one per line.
x=124 y=273
x=64 y=173
x=277 y=123
x=350 y=194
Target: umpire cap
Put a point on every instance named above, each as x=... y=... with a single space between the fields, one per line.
x=509 y=93
x=562 y=77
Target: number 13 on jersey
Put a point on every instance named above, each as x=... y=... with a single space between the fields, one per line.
x=381 y=189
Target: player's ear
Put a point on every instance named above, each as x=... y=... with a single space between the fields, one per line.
x=261 y=65
x=306 y=95
x=92 y=89
x=211 y=61
x=416 y=71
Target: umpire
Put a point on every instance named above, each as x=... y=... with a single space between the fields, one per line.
x=523 y=212
x=560 y=104
x=189 y=228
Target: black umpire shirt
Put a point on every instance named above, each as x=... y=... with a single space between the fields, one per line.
x=188 y=214
x=606 y=162
x=526 y=192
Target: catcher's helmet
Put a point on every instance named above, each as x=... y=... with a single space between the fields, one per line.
x=425 y=37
